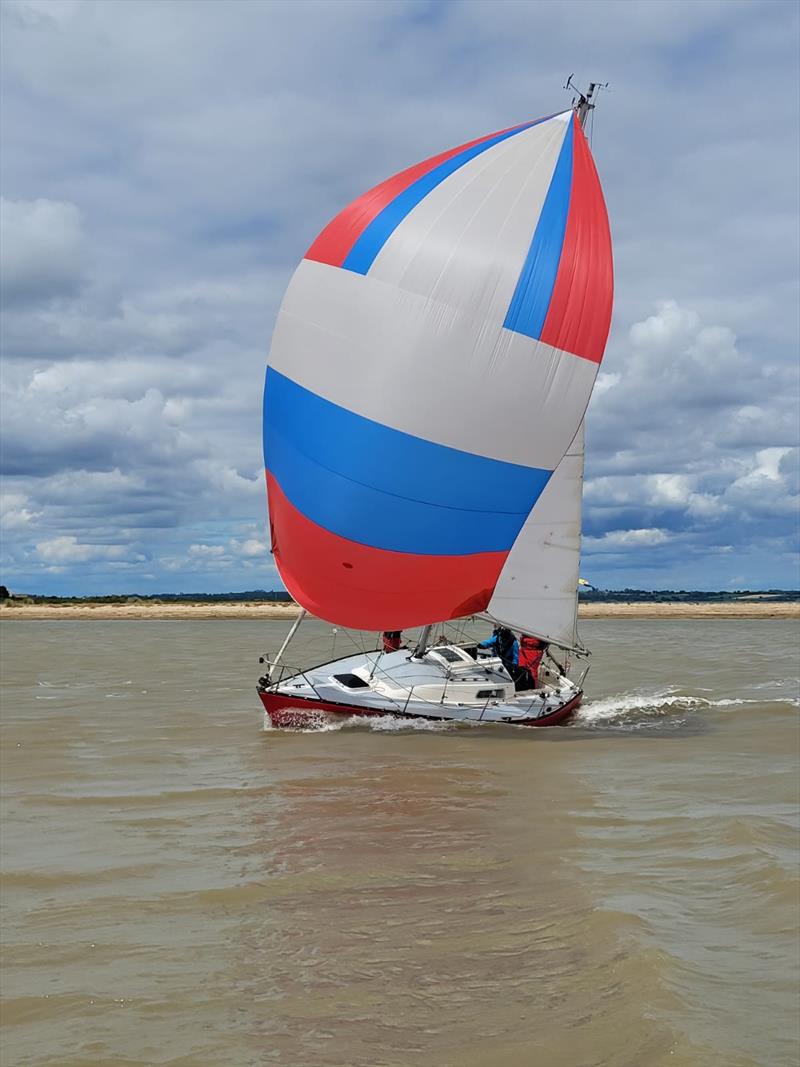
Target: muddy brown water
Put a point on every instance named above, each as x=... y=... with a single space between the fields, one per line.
x=183 y=887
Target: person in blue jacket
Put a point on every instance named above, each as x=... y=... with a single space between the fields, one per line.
x=506 y=646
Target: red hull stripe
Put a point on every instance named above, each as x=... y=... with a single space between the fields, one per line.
x=579 y=314
x=374 y=587
x=336 y=241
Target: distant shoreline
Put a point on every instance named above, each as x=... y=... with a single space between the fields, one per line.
x=743 y=609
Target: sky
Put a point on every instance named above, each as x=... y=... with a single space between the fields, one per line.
x=165 y=166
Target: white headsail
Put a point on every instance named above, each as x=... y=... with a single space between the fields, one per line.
x=537 y=589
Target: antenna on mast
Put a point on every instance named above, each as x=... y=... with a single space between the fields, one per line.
x=582 y=102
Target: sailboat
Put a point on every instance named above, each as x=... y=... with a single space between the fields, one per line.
x=429 y=373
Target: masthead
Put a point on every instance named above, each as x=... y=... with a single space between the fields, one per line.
x=582 y=102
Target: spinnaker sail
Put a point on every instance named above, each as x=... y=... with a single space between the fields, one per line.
x=431 y=364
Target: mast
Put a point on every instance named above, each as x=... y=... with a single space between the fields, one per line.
x=583 y=103
x=422 y=644
x=537 y=589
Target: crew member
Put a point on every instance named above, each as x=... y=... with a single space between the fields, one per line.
x=531 y=650
x=391 y=640
x=505 y=645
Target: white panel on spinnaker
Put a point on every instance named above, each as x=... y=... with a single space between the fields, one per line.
x=429 y=369
x=465 y=243
x=537 y=588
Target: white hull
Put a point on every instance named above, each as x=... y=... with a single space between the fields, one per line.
x=446 y=683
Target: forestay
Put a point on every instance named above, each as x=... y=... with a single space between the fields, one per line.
x=431 y=363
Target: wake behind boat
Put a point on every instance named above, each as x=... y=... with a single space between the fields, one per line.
x=423 y=427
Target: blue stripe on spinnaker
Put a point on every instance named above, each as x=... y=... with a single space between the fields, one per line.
x=388 y=489
x=531 y=300
x=362 y=255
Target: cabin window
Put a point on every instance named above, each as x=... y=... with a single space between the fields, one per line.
x=449 y=654
x=487 y=694
x=351 y=681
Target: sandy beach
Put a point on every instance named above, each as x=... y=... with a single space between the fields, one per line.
x=744 y=609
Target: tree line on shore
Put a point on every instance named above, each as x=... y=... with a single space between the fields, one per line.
x=672 y=596
x=270 y=596
x=596 y=596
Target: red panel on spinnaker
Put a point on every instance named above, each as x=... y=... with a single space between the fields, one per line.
x=579 y=315
x=369 y=586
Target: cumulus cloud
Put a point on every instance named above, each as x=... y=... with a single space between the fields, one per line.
x=41 y=250
x=616 y=539
x=14 y=514
x=69 y=550
x=693 y=437
x=250 y=548
x=207 y=550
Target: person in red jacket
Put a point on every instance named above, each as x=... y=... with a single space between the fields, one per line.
x=391 y=640
x=531 y=650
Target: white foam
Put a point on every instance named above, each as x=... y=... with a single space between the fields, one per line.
x=392 y=723
x=377 y=723
x=790 y=687
x=621 y=704
x=644 y=702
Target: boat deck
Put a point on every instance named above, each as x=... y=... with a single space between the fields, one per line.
x=397 y=683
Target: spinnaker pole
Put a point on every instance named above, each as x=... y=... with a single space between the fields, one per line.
x=285 y=644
